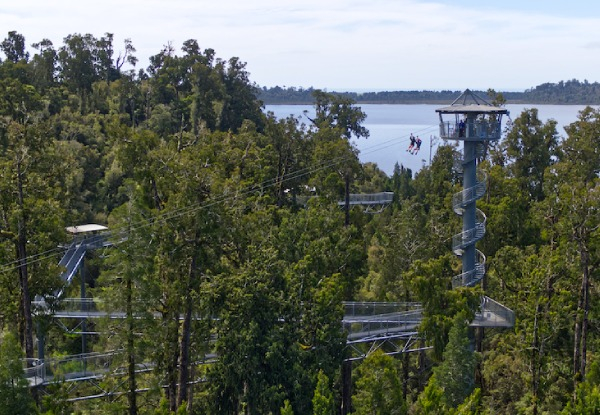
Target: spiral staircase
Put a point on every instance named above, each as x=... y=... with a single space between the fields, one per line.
x=475 y=122
x=468 y=237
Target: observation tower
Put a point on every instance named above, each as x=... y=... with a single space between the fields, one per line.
x=475 y=122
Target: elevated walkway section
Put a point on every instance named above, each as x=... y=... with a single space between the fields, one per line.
x=84 y=367
x=370 y=202
x=369 y=321
x=493 y=314
x=86 y=237
x=366 y=323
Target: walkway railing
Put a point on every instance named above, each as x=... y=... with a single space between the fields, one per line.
x=72 y=367
x=392 y=325
x=471 y=130
x=368 y=200
x=74 y=255
x=493 y=314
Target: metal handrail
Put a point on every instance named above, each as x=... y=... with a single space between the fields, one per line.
x=369 y=198
x=354 y=308
x=470 y=195
x=473 y=130
x=385 y=325
x=492 y=313
x=69 y=367
x=470 y=236
x=357 y=199
x=471 y=277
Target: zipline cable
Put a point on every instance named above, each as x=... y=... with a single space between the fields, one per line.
x=52 y=253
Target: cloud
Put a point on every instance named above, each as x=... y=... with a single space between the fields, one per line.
x=379 y=44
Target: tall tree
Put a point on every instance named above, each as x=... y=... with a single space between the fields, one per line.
x=337 y=112
x=124 y=286
x=14 y=47
x=337 y=120
x=28 y=185
x=530 y=148
x=432 y=281
x=322 y=402
x=456 y=374
x=580 y=149
x=378 y=388
x=241 y=97
x=290 y=156
x=14 y=391
x=44 y=66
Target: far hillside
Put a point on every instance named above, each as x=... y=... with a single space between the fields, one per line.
x=571 y=92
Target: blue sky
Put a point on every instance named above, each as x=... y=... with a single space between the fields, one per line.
x=347 y=44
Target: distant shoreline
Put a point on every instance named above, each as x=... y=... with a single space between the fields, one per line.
x=562 y=93
x=439 y=102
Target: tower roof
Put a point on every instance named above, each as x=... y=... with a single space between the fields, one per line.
x=91 y=227
x=469 y=102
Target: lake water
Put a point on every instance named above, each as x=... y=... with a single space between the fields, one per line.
x=390 y=126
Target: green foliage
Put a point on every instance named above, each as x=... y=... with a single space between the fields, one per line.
x=378 y=388
x=471 y=406
x=580 y=149
x=431 y=400
x=322 y=401
x=456 y=374
x=14 y=47
x=336 y=112
x=398 y=243
x=286 y=409
x=200 y=190
x=432 y=282
x=530 y=148
x=14 y=391
x=587 y=401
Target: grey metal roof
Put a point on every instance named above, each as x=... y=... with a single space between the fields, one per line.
x=469 y=102
x=91 y=227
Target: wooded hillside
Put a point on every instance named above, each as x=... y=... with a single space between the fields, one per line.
x=214 y=258
x=570 y=92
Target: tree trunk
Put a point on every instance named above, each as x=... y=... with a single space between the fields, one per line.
x=155 y=195
x=479 y=336
x=421 y=364
x=577 y=338
x=585 y=288
x=131 y=395
x=184 y=354
x=405 y=373
x=172 y=359
x=406 y=355
x=22 y=261
x=281 y=168
x=347 y=199
x=582 y=318
x=346 y=387
x=535 y=360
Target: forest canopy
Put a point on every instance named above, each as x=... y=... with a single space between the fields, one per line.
x=233 y=251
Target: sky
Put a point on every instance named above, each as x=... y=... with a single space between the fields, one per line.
x=346 y=45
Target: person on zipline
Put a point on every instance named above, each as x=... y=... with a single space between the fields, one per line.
x=418 y=147
x=412 y=143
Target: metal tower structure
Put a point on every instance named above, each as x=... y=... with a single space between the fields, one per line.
x=475 y=122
